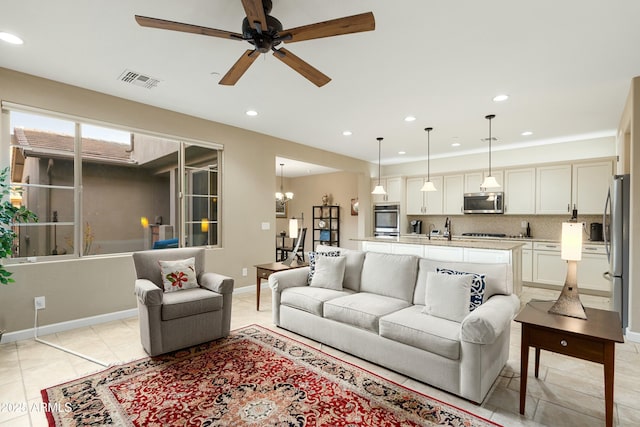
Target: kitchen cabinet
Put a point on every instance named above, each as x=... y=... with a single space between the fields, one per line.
x=473 y=181
x=444 y=253
x=453 y=187
x=527 y=262
x=423 y=202
x=407 y=249
x=550 y=269
x=553 y=189
x=381 y=247
x=591 y=182
x=393 y=187
x=520 y=191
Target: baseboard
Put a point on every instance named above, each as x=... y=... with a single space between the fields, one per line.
x=250 y=288
x=632 y=336
x=26 y=334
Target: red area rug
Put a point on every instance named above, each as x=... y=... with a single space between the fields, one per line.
x=254 y=377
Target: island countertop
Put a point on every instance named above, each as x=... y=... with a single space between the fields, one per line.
x=458 y=242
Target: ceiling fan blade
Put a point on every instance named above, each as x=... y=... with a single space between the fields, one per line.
x=307 y=71
x=334 y=27
x=163 y=24
x=255 y=14
x=239 y=68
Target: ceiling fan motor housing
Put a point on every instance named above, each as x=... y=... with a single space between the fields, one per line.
x=265 y=40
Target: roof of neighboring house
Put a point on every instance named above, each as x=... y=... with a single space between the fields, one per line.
x=37 y=142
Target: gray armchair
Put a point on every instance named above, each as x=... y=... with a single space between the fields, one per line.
x=175 y=320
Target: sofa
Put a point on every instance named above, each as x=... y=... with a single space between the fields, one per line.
x=404 y=313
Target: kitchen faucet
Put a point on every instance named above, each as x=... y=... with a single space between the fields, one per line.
x=431 y=227
x=447 y=228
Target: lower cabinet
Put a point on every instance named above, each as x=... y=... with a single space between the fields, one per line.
x=527 y=262
x=550 y=269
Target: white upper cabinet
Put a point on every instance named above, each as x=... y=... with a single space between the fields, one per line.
x=520 y=191
x=473 y=181
x=453 y=194
x=393 y=187
x=424 y=202
x=590 y=185
x=553 y=189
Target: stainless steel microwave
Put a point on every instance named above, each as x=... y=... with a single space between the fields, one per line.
x=386 y=220
x=484 y=203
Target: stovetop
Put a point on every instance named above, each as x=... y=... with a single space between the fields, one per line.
x=484 y=234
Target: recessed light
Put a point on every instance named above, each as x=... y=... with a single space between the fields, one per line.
x=251 y=113
x=10 y=38
x=347 y=133
x=455 y=144
x=402 y=152
x=410 y=119
x=527 y=133
x=500 y=98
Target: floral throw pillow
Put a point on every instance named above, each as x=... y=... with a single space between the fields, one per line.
x=477 y=286
x=178 y=275
x=312 y=261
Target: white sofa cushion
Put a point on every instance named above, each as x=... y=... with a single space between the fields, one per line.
x=362 y=309
x=498 y=277
x=390 y=275
x=433 y=334
x=329 y=272
x=448 y=295
x=309 y=298
x=353 y=269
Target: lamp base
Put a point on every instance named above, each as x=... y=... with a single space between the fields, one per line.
x=568 y=303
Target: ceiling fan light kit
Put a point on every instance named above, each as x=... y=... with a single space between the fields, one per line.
x=265 y=33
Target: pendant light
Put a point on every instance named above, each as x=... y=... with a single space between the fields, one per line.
x=379 y=188
x=281 y=195
x=428 y=185
x=490 y=181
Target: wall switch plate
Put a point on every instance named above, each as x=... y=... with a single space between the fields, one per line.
x=39 y=303
x=266 y=225
x=245 y=272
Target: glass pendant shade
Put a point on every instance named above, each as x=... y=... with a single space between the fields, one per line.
x=428 y=186
x=379 y=190
x=490 y=182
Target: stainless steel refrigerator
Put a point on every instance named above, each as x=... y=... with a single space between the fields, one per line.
x=616 y=238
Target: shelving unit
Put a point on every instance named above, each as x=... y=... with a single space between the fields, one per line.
x=326 y=225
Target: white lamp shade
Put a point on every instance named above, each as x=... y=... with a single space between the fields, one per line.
x=571 y=249
x=279 y=196
x=293 y=228
x=289 y=195
x=490 y=182
x=428 y=186
x=379 y=190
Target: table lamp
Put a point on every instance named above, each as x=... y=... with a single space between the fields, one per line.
x=568 y=303
x=293 y=233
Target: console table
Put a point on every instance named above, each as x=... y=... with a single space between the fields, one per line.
x=592 y=339
x=263 y=271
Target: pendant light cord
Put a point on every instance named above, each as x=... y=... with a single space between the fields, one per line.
x=379 y=154
x=489 y=117
x=428 y=153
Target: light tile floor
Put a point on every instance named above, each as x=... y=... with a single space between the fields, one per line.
x=569 y=392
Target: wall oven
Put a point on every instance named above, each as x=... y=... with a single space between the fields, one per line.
x=386 y=220
x=484 y=203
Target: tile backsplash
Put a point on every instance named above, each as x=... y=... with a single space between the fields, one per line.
x=542 y=226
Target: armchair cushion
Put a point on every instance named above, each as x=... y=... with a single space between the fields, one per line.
x=190 y=302
x=178 y=274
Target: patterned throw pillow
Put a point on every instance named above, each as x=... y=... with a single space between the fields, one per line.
x=312 y=261
x=179 y=274
x=477 y=286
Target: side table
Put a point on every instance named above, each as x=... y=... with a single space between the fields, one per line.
x=263 y=271
x=592 y=339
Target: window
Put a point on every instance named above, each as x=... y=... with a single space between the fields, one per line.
x=102 y=190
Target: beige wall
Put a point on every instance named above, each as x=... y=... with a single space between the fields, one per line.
x=87 y=287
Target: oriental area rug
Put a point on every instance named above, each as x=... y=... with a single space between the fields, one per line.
x=254 y=377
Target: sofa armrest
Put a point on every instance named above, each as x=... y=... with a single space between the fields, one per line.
x=216 y=282
x=289 y=278
x=147 y=292
x=485 y=324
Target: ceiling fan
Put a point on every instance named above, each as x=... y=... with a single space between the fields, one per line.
x=265 y=33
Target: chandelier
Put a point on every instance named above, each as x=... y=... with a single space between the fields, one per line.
x=281 y=195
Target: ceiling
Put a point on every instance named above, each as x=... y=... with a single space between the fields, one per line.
x=566 y=66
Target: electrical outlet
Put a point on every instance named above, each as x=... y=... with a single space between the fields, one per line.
x=245 y=272
x=39 y=303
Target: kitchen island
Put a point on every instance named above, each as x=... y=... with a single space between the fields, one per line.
x=456 y=249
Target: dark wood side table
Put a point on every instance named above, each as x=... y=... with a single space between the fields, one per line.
x=263 y=271
x=592 y=339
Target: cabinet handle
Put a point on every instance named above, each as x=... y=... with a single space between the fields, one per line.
x=551 y=246
x=590 y=249
x=564 y=343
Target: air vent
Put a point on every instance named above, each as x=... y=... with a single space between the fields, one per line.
x=138 y=79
